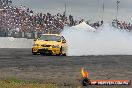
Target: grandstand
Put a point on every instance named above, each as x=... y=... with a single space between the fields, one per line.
x=22 y=22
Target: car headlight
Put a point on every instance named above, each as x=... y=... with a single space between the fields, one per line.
x=35 y=44
x=55 y=46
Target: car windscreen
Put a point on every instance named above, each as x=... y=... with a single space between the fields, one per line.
x=50 y=38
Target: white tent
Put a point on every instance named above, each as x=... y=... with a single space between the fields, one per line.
x=84 y=26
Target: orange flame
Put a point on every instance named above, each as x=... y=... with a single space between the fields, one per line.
x=84 y=73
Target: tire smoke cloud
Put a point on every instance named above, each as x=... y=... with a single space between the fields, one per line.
x=106 y=40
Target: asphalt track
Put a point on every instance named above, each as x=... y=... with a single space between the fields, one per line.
x=20 y=63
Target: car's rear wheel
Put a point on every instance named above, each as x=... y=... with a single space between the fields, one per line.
x=64 y=54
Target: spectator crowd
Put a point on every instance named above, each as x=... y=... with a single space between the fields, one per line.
x=22 y=19
x=122 y=25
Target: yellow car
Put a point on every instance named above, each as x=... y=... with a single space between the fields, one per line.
x=53 y=44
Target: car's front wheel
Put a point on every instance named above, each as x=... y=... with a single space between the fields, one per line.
x=61 y=54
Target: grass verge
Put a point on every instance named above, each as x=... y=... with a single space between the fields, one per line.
x=15 y=83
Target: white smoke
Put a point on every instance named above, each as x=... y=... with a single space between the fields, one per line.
x=106 y=40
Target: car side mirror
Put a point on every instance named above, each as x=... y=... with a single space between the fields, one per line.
x=35 y=39
x=63 y=41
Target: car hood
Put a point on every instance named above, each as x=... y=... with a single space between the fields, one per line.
x=41 y=42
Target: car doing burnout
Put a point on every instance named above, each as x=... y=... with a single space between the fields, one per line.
x=53 y=44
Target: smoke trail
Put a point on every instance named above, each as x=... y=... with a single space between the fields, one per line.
x=105 y=41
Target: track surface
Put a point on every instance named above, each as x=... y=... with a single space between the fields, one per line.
x=22 y=64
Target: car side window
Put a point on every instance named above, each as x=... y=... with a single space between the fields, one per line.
x=63 y=40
